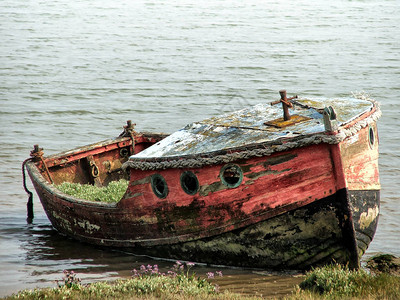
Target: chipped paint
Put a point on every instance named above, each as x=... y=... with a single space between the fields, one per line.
x=311 y=235
x=87 y=226
x=366 y=218
x=256 y=175
x=276 y=160
x=360 y=162
x=62 y=222
x=353 y=139
x=212 y=188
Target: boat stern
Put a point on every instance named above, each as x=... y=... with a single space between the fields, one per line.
x=361 y=171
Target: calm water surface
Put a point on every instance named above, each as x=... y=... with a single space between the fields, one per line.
x=73 y=72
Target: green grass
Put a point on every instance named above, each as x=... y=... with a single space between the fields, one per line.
x=330 y=282
x=147 y=283
x=111 y=193
x=125 y=289
x=338 y=282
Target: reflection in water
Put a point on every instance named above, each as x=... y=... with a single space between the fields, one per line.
x=46 y=254
x=37 y=255
x=45 y=247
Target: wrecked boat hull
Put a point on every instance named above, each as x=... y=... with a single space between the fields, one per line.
x=300 y=202
x=316 y=234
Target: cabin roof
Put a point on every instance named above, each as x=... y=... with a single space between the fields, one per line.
x=247 y=126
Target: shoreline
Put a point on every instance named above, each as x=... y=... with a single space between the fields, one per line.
x=382 y=278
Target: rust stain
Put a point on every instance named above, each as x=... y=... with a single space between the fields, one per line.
x=282 y=123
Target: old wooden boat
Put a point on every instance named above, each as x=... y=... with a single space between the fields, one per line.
x=250 y=188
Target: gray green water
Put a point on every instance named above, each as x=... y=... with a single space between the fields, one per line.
x=72 y=73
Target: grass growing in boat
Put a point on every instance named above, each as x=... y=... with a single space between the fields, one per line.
x=111 y=193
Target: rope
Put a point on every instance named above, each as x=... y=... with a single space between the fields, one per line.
x=264 y=149
x=29 y=205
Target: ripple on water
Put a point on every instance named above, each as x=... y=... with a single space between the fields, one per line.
x=73 y=72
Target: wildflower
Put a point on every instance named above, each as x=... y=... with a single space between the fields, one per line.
x=70 y=279
x=210 y=275
x=172 y=273
x=135 y=273
x=219 y=273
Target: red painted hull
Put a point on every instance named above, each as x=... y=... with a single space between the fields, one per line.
x=293 y=209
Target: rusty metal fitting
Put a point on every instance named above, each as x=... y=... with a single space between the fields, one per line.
x=284 y=99
x=129 y=129
x=129 y=126
x=37 y=153
x=286 y=104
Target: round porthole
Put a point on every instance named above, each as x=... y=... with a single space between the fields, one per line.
x=371 y=137
x=159 y=186
x=231 y=175
x=124 y=152
x=189 y=182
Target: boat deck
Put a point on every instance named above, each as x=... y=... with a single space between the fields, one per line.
x=257 y=124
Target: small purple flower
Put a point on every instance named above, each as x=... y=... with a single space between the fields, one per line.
x=219 y=273
x=172 y=273
x=177 y=266
x=210 y=275
x=190 y=264
x=155 y=270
